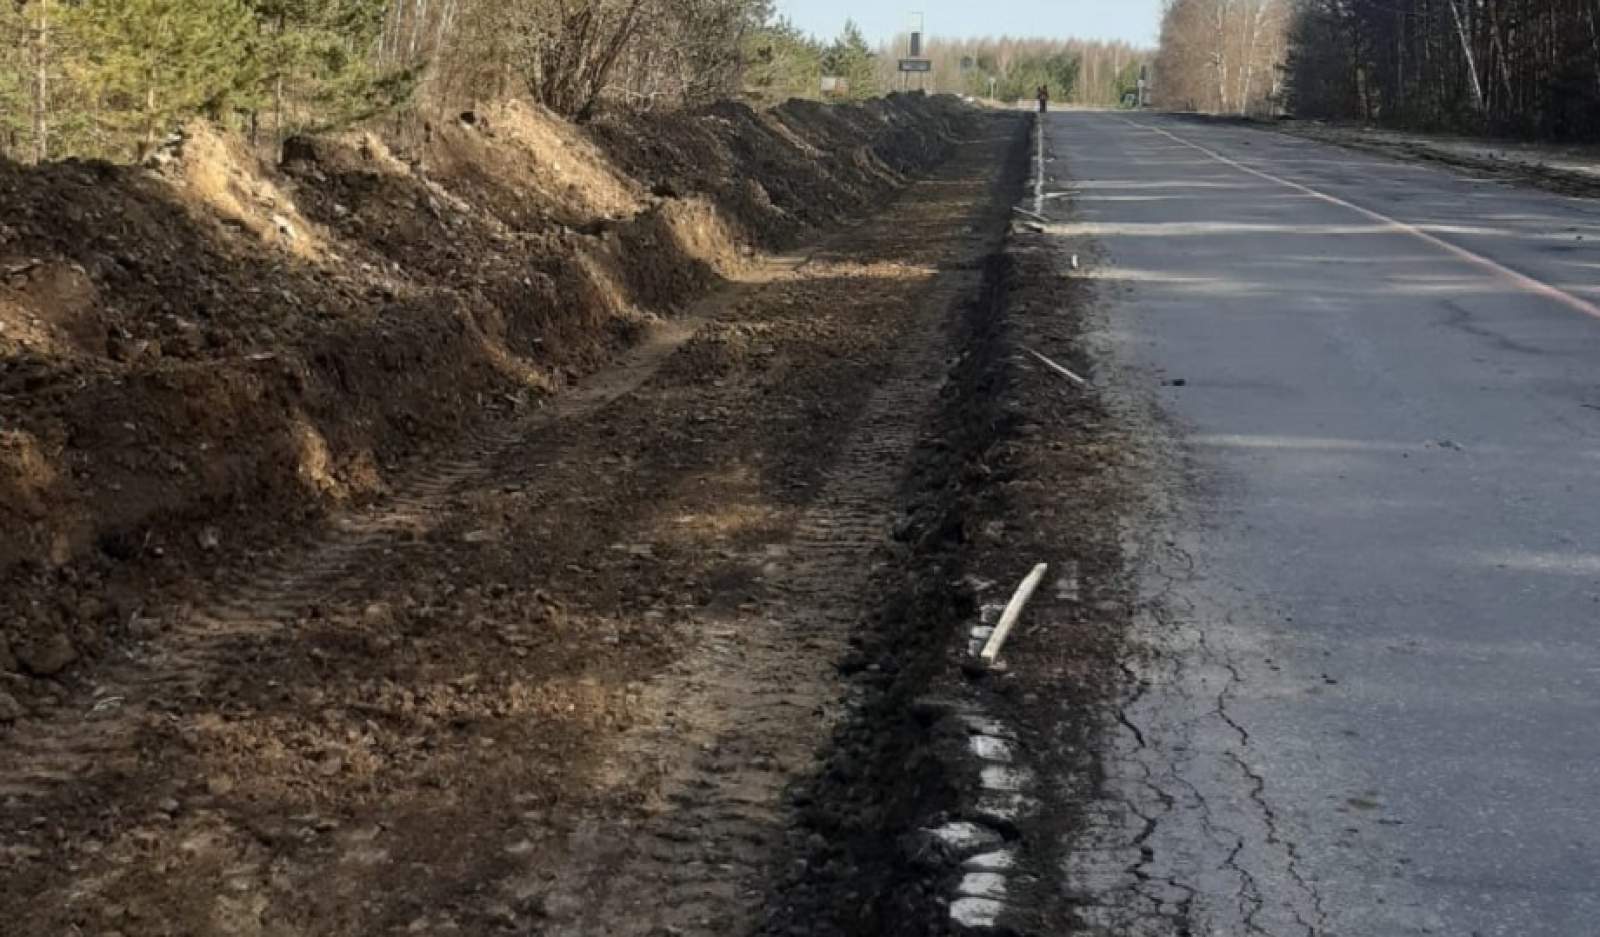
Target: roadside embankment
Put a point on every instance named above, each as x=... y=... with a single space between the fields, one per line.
x=206 y=350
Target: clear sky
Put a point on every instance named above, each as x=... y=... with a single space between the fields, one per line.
x=1133 y=20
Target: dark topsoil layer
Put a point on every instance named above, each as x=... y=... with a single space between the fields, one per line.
x=173 y=381
x=1019 y=467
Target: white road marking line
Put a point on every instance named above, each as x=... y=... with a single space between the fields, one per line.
x=1038 y=172
x=1522 y=280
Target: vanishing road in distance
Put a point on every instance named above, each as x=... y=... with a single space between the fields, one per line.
x=1375 y=596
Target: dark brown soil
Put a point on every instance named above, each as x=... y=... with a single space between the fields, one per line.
x=554 y=675
x=1021 y=467
x=206 y=353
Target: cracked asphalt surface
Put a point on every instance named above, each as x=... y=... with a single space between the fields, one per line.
x=1365 y=678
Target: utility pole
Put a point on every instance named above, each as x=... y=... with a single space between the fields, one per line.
x=917 y=24
x=914 y=63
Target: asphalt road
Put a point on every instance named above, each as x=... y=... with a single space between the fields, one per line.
x=1371 y=565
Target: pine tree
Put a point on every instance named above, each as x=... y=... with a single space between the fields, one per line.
x=850 y=58
x=150 y=64
x=16 y=94
x=316 y=64
x=782 y=62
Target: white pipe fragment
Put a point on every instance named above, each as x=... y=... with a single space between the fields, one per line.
x=1013 y=612
x=1058 y=368
x=1030 y=214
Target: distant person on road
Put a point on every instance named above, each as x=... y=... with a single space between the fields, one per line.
x=1044 y=98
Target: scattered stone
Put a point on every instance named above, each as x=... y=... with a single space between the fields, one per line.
x=976 y=912
x=982 y=885
x=48 y=656
x=1000 y=860
x=985 y=725
x=10 y=709
x=168 y=806
x=966 y=837
x=989 y=748
x=1002 y=778
x=141 y=628
x=1003 y=809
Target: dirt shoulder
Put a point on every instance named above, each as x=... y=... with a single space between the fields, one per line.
x=951 y=797
x=556 y=680
x=205 y=355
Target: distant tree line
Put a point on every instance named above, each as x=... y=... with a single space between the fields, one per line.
x=1526 y=67
x=1521 y=67
x=1223 y=56
x=111 y=78
x=1077 y=71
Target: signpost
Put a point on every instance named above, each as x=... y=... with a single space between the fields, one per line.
x=914 y=63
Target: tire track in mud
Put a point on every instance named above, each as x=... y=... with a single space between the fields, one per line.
x=764 y=683
x=708 y=849
x=98 y=735
x=748 y=704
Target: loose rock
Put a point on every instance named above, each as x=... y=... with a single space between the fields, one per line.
x=10 y=709
x=47 y=656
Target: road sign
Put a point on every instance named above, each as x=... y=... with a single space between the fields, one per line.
x=916 y=65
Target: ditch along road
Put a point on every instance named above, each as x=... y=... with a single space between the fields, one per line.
x=1363 y=404
x=581 y=678
x=691 y=651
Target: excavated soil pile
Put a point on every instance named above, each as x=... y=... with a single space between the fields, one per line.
x=204 y=349
x=561 y=679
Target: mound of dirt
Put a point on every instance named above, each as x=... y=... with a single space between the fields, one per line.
x=779 y=173
x=205 y=344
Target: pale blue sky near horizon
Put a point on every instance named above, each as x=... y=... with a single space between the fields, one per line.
x=1135 y=21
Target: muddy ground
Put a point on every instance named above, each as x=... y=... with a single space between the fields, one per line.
x=207 y=352
x=681 y=651
x=1020 y=467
